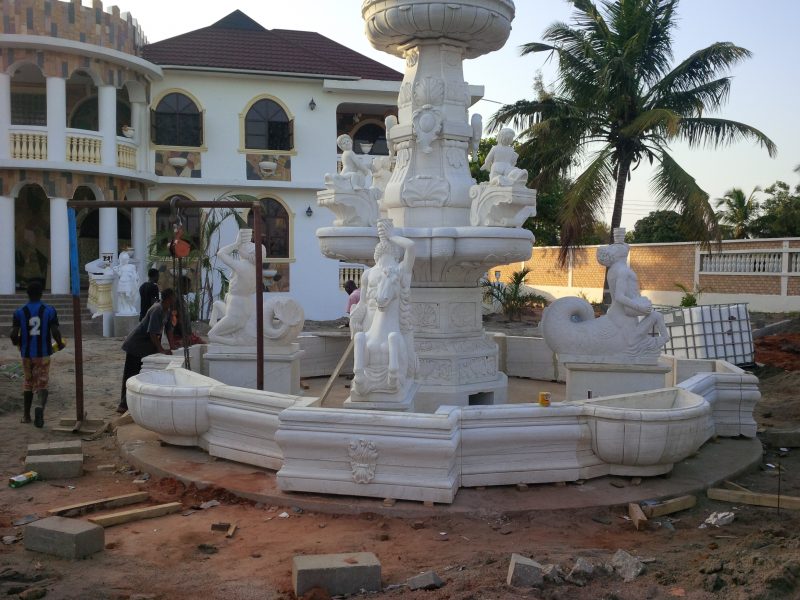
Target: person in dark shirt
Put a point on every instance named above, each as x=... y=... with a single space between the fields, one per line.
x=145 y=340
x=148 y=293
x=33 y=329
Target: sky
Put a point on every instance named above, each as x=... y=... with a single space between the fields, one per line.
x=764 y=93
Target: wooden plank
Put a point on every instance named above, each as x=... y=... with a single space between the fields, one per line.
x=112 y=502
x=729 y=485
x=231 y=530
x=755 y=498
x=668 y=507
x=637 y=516
x=326 y=390
x=137 y=514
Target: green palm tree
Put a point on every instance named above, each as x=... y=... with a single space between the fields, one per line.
x=618 y=102
x=740 y=212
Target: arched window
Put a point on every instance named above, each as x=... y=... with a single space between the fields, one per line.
x=28 y=96
x=190 y=218
x=274 y=228
x=177 y=122
x=268 y=127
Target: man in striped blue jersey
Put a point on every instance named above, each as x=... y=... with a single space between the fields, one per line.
x=34 y=327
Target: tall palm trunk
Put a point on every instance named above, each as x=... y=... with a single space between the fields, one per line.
x=616 y=215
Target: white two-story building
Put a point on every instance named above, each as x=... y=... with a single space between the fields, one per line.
x=90 y=111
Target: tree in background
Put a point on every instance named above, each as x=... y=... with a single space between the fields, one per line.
x=739 y=214
x=780 y=212
x=618 y=103
x=659 y=227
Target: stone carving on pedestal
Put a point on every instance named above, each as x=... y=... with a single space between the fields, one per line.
x=127 y=286
x=348 y=194
x=234 y=321
x=101 y=283
x=363 y=460
x=504 y=201
x=384 y=361
x=631 y=332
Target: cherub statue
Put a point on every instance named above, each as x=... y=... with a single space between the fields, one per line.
x=501 y=161
x=127 y=286
x=352 y=167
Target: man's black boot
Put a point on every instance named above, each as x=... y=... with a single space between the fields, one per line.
x=38 y=412
x=27 y=398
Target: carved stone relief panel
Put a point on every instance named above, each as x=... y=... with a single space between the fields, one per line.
x=363 y=460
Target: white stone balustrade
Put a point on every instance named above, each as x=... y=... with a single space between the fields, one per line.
x=29 y=144
x=745 y=262
x=84 y=148
x=350 y=271
x=126 y=154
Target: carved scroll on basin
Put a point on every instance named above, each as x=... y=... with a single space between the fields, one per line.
x=501 y=206
x=353 y=208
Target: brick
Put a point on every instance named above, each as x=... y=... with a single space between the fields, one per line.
x=428 y=580
x=66 y=447
x=56 y=466
x=69 y=538
x=524 y=572
x=336 y=573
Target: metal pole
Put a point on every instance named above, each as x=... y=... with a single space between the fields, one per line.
x=259 y=297
x=75 y=284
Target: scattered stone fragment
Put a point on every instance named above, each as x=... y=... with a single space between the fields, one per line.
x=718 y=519
x=428 y=580
x=522 y=487
x=442 y=537
x=33 y=593
x=25 y=520
x=617 y=483
x=207 y=548
x=389 y=501
x=297 y=510
x=553 y=574
x=10 y=539
x=106 y=467
x=283 y=515
x=506 y=528
x=418 y=525
x=524 y=572
x=626 y=566
x=581 y=572
x=714 y=583
x=602 y=520
x=209 y=504
x=636 y=481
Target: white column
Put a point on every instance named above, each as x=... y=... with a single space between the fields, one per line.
x=5 y=115
x=8 y=277
x=107 y=109
x=137 y=122
x=59 y=246
x=139 y=240
x=56 y=119
x=108 y=232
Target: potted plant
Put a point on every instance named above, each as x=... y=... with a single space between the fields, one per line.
x=128 y=131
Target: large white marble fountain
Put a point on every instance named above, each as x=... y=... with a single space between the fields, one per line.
x=427 y=412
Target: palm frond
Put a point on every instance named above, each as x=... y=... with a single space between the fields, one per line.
x=713 y=133
x=583 y=201
x=696 y=101
x=675 y=189
x=700 y=67
x=655 y=118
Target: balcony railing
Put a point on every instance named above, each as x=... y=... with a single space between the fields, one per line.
x=126 y=154
x=29 y=143
x=83 y=147
x=350 y=271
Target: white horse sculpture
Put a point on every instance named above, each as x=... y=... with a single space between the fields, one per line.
x=384 y=358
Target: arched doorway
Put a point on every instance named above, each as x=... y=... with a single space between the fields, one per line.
x=32 y=236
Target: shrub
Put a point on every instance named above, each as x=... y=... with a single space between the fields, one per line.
x=512 y=296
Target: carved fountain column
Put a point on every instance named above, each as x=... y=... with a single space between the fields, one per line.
x=428 y=194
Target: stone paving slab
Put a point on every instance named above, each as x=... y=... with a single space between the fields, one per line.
x=60 y=536
x=337 y=574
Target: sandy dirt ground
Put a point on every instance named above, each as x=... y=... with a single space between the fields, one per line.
x=755 y=557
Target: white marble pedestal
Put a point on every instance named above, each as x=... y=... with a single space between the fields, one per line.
x=402 y=400
x=604 y=379
x=124 y=324
x=235 y=365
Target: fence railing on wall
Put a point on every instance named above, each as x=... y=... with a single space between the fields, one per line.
x=29 y=145
x=83 y=148
x=741 y=262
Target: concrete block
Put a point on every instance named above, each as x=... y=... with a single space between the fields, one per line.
x=65 y=447
x=69 y=538
x=56 y=466
x=524 y=572
x=336 y=573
